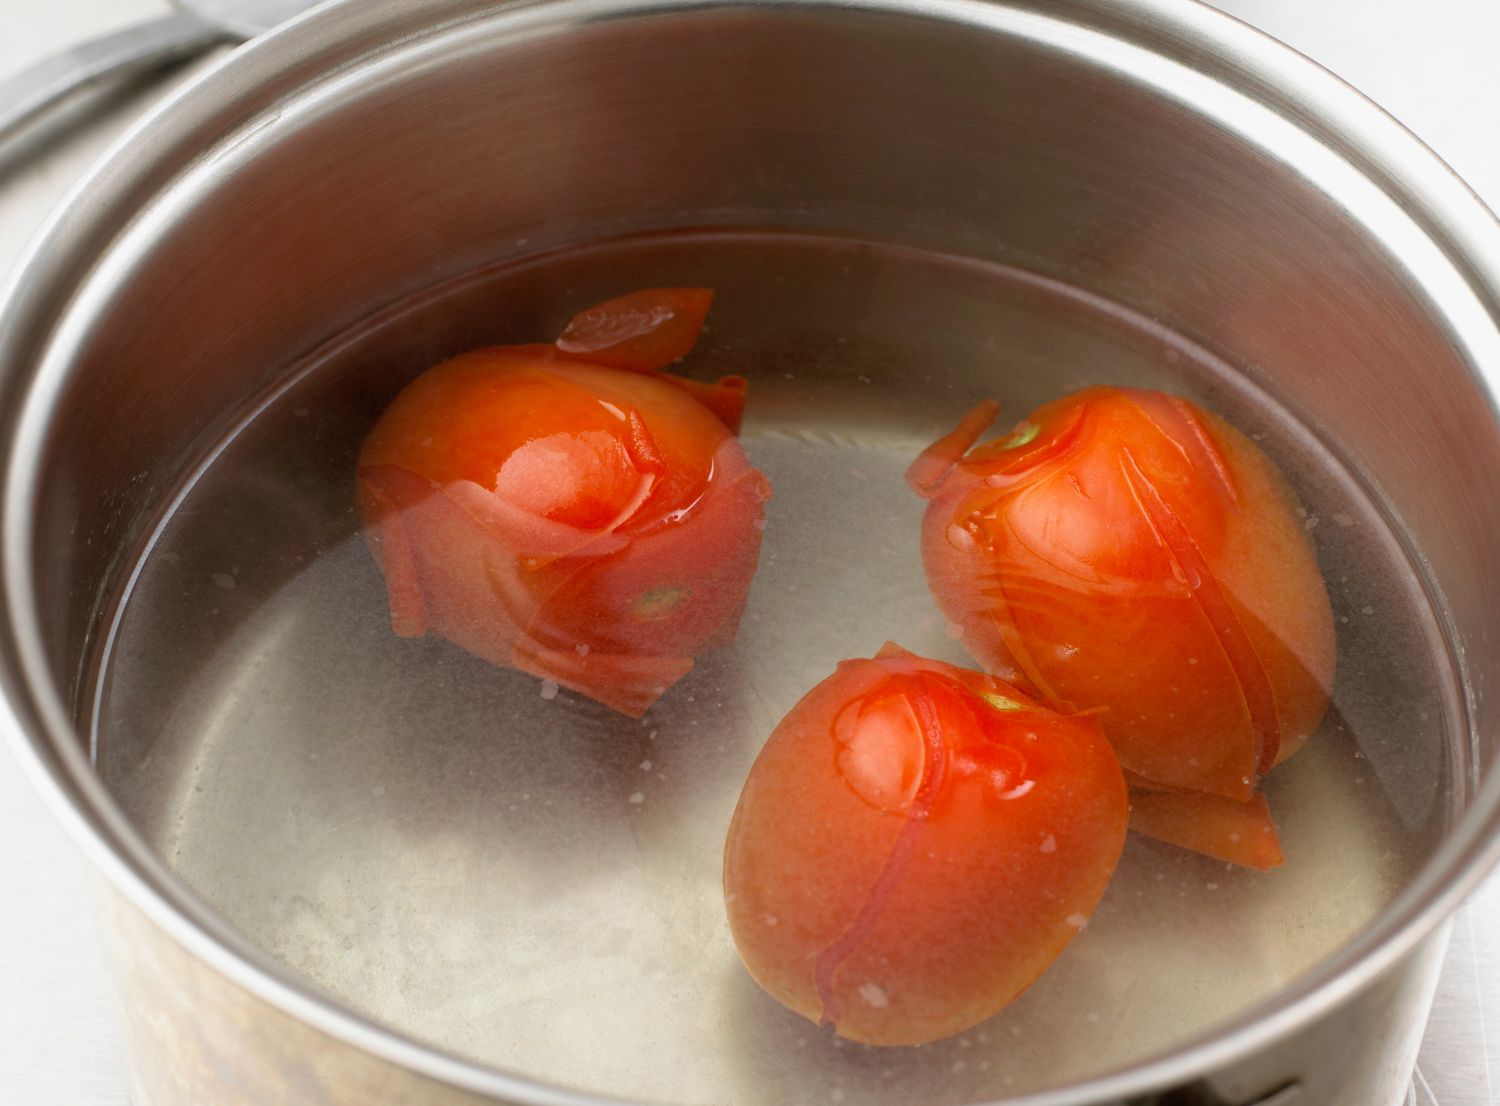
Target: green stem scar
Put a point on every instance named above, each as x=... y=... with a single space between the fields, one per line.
x=1024 y=434
x=660 y=602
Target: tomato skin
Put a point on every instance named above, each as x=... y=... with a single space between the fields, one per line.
x=906 y=859
x=643 y=332
x=594 y=525
x=1239 y=833
x=1137 y=554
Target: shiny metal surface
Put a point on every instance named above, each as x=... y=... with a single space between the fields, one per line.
x=246 y=18
x=1452 y=565
x=200 y=25
x=1428 y=75
x=60 y=1037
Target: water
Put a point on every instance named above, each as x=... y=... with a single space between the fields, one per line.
x=521 y=877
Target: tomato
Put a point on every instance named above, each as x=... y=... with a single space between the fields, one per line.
x=644 y=331
x=1125 y=550
x=915 y=844
x=1240 y=833
x=592 y=523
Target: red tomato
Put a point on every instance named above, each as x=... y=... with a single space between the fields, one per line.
x=1125 y=550
x=915 y=844
x=1240 y=833
x=596 y=526
x=644 y=331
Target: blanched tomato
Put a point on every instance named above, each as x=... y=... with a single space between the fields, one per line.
x=915 y=844
x=595 y=525
x=1125 y=550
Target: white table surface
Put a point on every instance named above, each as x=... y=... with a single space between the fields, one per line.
x=1431 y=63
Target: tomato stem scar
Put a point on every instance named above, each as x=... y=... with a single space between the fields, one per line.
x=1023 y=436
x=1000 y=702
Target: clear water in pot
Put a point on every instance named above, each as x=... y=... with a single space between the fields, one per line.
x=532 y=881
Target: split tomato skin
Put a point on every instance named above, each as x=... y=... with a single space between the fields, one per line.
x=914 y=846
x=1128 y=551
x=1225 y=829
x=592 y=524
x=643 y=331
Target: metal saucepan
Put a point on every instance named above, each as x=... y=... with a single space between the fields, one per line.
x=198 y=26
x=1151 y=155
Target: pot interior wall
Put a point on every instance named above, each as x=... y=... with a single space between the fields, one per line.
x=478 y=144
x=484 y=144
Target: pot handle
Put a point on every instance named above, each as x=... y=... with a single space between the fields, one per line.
x=135 y=49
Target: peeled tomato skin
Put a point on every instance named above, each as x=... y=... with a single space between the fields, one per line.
x=597 y=526
x=642 y=331
x=466 y=417
x=1235 y=832
x=1138 y=555
x=1291 y=624
x=917 y=915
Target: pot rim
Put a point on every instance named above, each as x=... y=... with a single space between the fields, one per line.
x=340 y=36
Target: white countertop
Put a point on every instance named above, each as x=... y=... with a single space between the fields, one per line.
x=1430 y=62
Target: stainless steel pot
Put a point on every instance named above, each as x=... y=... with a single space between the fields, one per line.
x=1152 y=152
